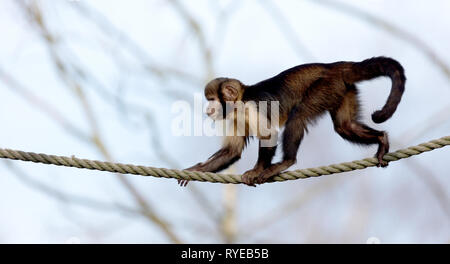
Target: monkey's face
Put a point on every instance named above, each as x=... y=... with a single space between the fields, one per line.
x=222 y=93
x=214 y=109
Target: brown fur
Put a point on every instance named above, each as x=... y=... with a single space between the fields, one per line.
x=304 y=93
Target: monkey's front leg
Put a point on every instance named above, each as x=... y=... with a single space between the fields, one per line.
x=218 y=160
x=222 y=159
x=196 y=167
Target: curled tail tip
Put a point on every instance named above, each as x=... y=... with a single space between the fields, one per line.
x=380 y=116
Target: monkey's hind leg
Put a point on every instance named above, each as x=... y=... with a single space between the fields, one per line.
x=346 y=124
x=265 y=155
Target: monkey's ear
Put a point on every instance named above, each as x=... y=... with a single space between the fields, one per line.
x=230 y=93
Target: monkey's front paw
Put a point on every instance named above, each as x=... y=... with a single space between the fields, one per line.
x=183 y=183
x=249 y=177
x=196 y=167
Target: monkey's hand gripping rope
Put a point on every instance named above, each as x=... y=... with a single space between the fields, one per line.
x=216 y=177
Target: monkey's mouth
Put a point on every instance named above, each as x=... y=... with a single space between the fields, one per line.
x=215 y=115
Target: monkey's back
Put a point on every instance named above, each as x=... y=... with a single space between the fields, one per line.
x=290 y=86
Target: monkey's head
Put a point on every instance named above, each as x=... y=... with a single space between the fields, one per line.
x=221 y=92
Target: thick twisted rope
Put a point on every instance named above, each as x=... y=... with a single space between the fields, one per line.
x=215 y=177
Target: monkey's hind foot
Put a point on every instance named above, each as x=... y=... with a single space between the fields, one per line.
x=382 y=163
x=383 y=148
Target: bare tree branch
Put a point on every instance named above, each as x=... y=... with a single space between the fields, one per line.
x=197 y=30
x=126 y=41
x=394 y=30
x=65 y=197
x=286 y=28
x=46 y=108
x=34 y=13
x=290 y=206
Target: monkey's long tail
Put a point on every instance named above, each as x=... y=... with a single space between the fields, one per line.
x=381 y=66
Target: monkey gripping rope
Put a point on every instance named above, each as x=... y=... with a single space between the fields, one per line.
x=215 y=177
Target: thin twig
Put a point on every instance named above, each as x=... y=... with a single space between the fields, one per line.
x=394 y=30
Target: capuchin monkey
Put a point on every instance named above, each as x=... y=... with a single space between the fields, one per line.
x=303 y=92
